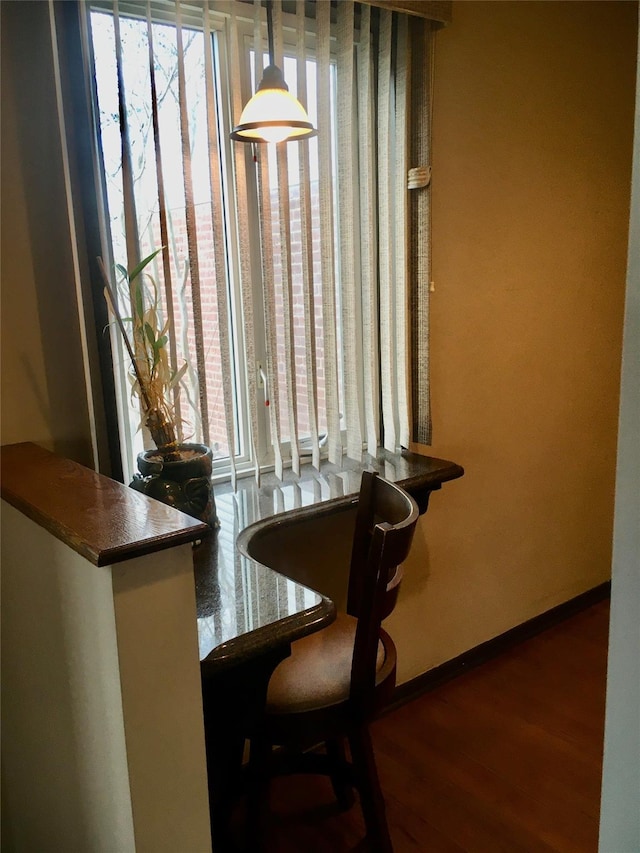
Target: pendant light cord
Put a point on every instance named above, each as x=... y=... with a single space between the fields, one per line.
x=272 y=53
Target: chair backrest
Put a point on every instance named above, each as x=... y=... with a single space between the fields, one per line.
x=385 y=523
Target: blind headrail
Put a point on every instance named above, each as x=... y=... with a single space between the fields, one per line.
x=434 y=10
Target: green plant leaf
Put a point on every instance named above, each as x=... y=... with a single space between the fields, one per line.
x=151 y=335
x=135 y=272
x=152 y=376
x=138 y=302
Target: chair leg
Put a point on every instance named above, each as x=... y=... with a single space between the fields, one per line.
x=371 y=798
x=340 y=779
x=258 y=792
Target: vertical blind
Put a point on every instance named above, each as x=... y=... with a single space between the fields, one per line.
x=298 y=290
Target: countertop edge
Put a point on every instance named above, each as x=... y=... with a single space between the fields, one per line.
x=288 y=629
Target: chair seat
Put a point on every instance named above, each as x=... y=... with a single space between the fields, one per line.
x=318 y=673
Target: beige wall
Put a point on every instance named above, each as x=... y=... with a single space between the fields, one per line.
x=43 y=391
x=532 y=157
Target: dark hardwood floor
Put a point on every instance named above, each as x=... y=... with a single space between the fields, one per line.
x=506 y=757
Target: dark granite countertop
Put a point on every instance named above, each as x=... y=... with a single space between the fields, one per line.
x=245 y=608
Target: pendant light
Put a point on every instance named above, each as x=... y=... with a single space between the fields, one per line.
x=273 y=114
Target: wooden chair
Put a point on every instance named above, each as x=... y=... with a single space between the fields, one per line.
x=336 y=680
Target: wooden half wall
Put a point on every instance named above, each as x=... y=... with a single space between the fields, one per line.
x=102 y=727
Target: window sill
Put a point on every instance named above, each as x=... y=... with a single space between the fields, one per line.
x=419 y=475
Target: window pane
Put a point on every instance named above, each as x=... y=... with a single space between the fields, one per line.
x=135 y=57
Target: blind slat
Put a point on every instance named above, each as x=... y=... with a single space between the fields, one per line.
x=244 y=242
x=323 y=57
x=162 y=215
x=419 y=232
x=132 y=240
x=350 y=306
x=306 y=236
x=401 y=221
x=192 y=237
x=385 y=200
x=368 y=225
x=266 y=244
x=130 y=216
x=220 y=266
x=285 y=261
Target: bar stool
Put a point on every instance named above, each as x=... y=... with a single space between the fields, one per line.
x=337 y=679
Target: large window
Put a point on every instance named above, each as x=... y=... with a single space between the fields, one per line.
x=284 y=269
x=158 y=159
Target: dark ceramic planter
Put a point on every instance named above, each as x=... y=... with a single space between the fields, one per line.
x=184 y=484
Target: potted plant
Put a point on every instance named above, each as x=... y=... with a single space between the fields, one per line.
x=176 y=473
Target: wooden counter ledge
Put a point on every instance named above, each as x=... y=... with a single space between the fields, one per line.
x=99 y=518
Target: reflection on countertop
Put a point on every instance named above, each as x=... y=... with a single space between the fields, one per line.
x=245 y=607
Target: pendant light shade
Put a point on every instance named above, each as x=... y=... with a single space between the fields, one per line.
x=273 y=114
